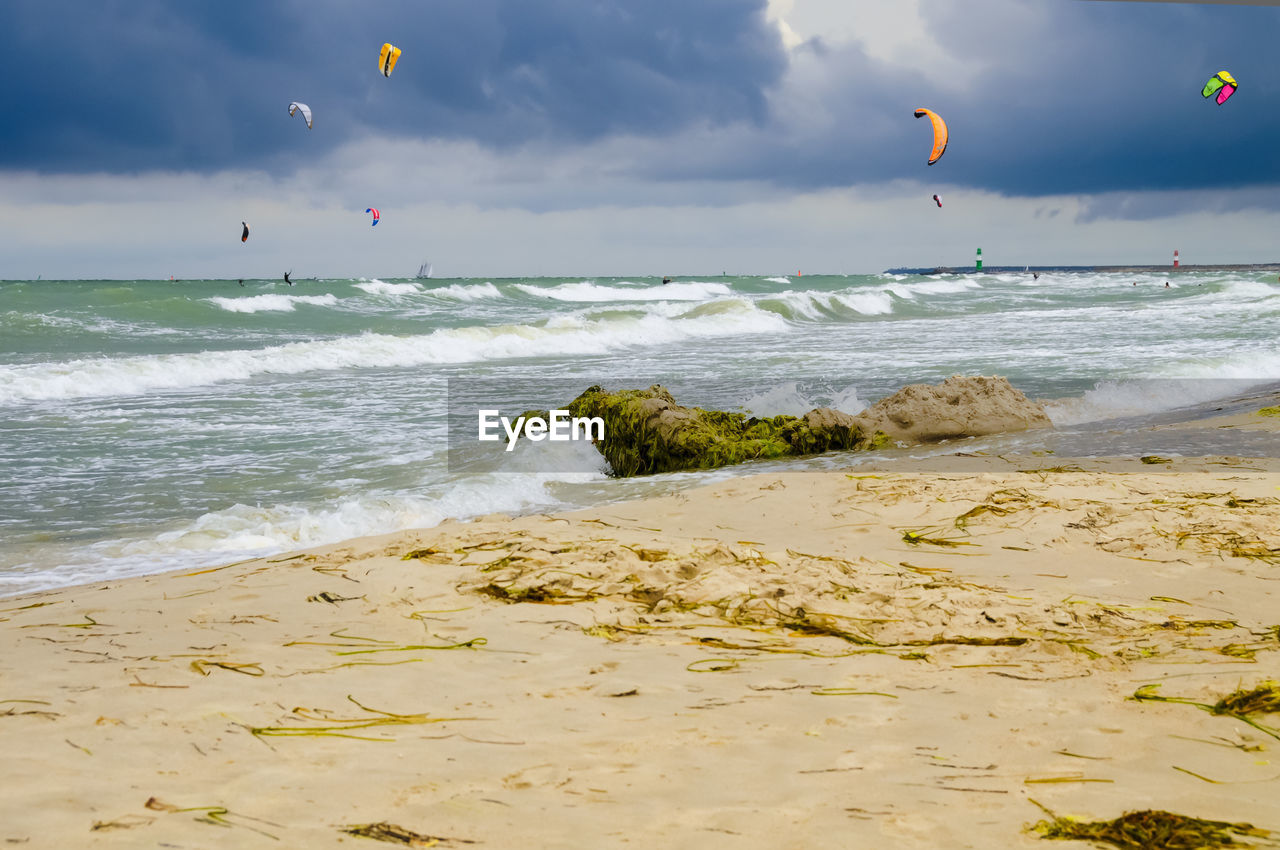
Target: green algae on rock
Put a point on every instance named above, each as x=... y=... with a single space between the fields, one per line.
x=646 y=432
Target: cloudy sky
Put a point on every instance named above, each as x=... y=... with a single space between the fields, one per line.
x=629 y=137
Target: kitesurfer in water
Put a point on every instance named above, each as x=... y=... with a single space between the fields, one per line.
x=665 y=280
x=1035 y=275
x=242 y=281
x=286 y=279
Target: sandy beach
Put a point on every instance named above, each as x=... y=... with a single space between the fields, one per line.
x=874 y=657
x=773 y=424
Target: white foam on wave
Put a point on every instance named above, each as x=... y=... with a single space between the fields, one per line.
x=381 y=287
x=933 y=287
x=866 y=303
x=785 y=280
x=1249 y=290
x=245 y=531
x=87 y=324
x=787 y=399
x=1201 y=376
x=847 y=401
x=1121 y=399
x=1246 y=368
x=271 y=303
x=466 y=292
x=814 y=305
x=588 y=291
x=567 y=335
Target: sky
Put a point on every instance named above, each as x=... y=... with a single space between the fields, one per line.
x=630 y=137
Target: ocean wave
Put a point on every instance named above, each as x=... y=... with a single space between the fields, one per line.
x=566 y=335
x=866 y=303
x=862 y=300
x=1250 y=290
x=588 y=291
x=785 y=280
x=380 y=287
x=271 y=303
x=1122 y=399
x=245 y=531
x=15 y=322
x=788 y=399
x=933 y=287
x=819 y=305
x=466 y=292
x=245 y=528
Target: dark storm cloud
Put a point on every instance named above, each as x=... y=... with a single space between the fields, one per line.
x=1107 y=97
x=198 y=84
x=1075 y=98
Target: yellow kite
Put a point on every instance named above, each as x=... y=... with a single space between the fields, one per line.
x=387 y=59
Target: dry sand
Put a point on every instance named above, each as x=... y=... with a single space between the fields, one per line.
x=899 y=657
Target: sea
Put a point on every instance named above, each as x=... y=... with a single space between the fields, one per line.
x=153 y=425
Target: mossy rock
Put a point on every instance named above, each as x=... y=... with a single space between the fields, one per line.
x=647 y=432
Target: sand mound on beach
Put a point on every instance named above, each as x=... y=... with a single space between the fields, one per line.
x=958 y=407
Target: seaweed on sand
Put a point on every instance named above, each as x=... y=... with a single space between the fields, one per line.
x=214 y=815
x=1268 y=639
x=343 y=727
x=822 y=625
x=1180 y=624
x=1264 y=699
x=204 y=665
x=916 y=537
x=472 y=643
x=1004 y=502
x=546 y=594
x=1150 y=830
x=35 y=712
x=1044 y=472
x=1241 y=704
x=1241 y=650
x=392 y=834
x=1236 y=545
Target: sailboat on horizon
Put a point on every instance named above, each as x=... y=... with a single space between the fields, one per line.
x=424 y=271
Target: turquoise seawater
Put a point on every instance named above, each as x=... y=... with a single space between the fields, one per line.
x=148 y=425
